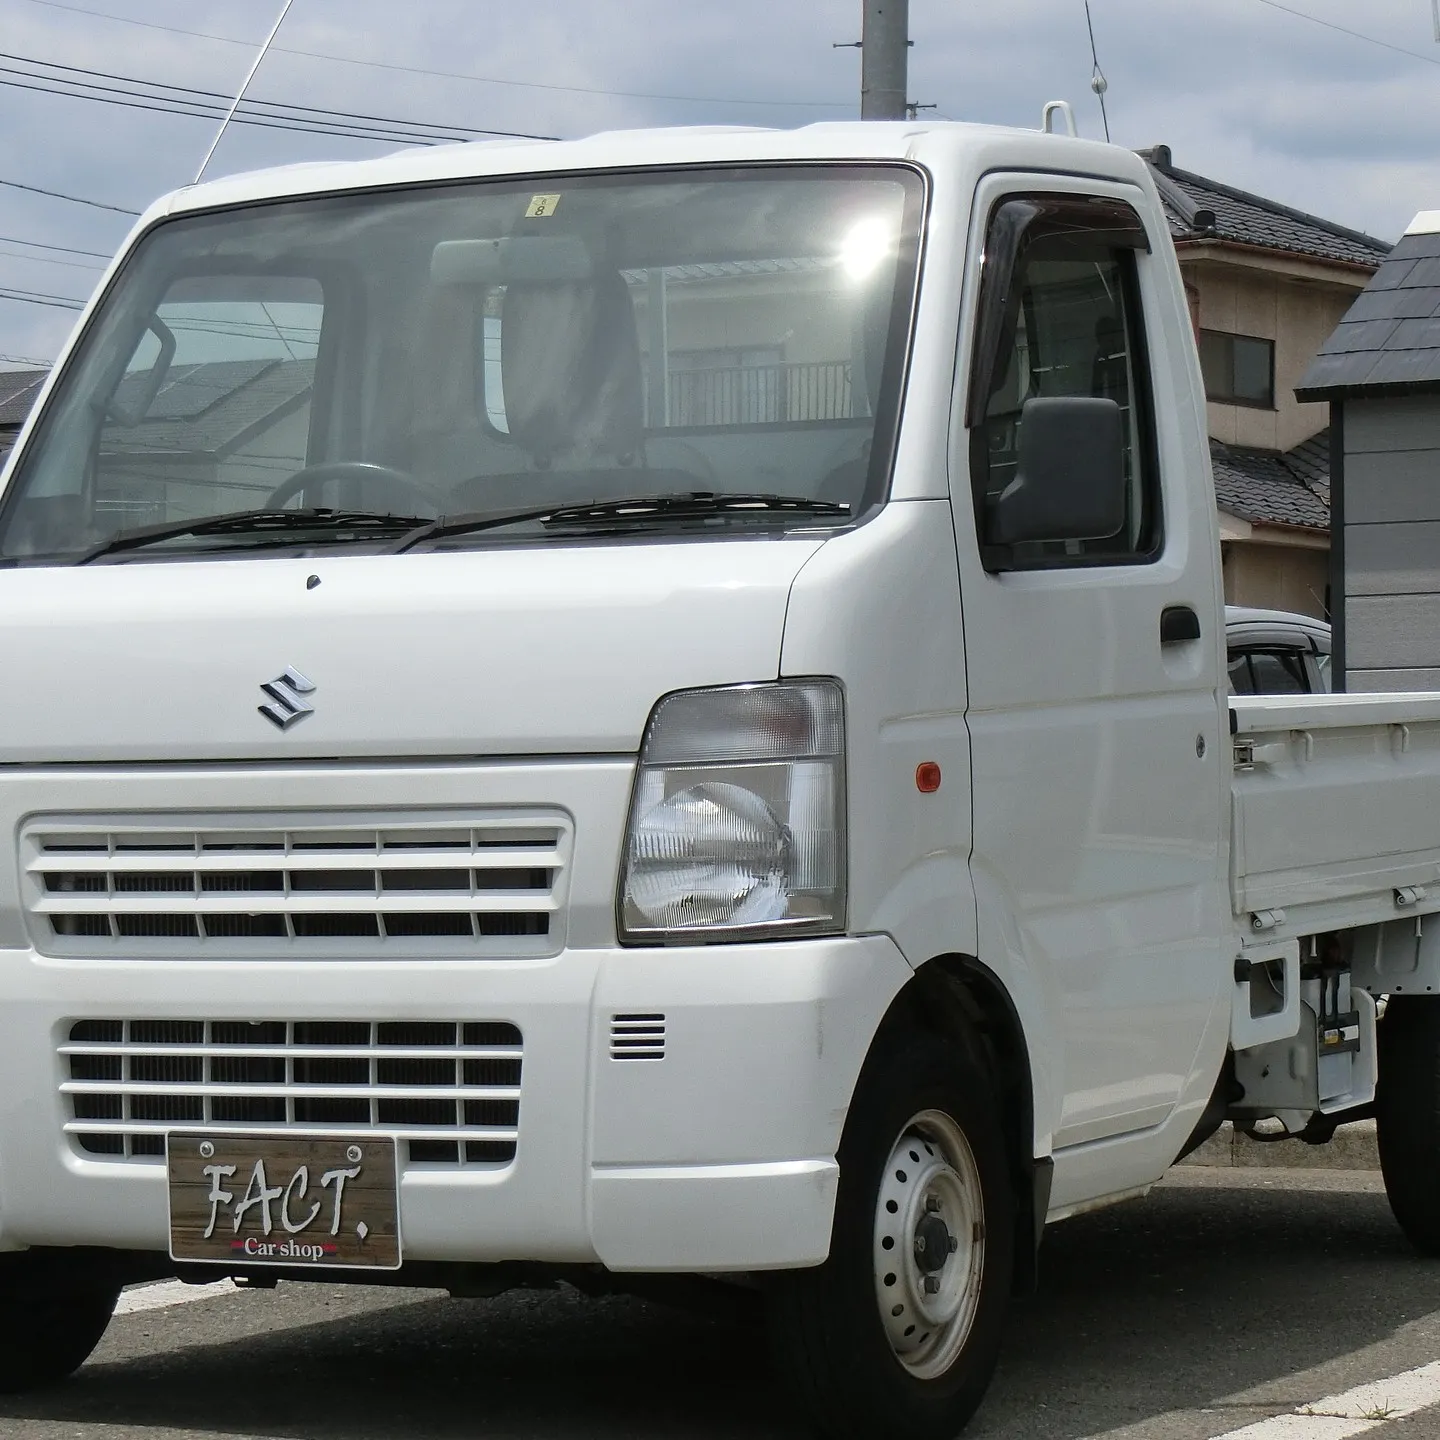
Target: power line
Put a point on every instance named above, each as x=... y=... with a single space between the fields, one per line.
x=51 y=260
x=46 y=245
x=1340 y=29
x=441 y=74
x=60 y=195
x=448 y=130
x=179 y=108
x=38 y=297
x=133 y=92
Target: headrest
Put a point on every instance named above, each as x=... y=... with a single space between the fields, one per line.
x=570 y=367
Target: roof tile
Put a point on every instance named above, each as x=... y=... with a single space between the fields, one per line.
x=1400 y=367
x=1416 y=247
x=1268 y=488
x=1247 y=219
x=1411 y=335
x=1355 y=337
x=1392 y=275
x=18 y=389
x=1393 y=304
x=1367 y=352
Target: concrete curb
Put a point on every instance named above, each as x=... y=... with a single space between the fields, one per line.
x=1353 y=1148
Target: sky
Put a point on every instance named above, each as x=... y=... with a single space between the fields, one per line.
x=1264 y=95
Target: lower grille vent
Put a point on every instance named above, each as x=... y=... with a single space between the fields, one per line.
x=637 y=1037
x=450 y=1091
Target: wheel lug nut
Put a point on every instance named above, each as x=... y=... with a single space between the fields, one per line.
x=932 y=1205
x=932 y=1284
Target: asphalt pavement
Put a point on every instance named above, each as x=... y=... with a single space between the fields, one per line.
x=1227 y=1296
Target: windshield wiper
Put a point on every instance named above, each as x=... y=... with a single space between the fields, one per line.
x=256 y=524
x=687 y=506
x=695 y=504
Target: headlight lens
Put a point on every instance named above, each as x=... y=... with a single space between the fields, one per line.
x=737 y=824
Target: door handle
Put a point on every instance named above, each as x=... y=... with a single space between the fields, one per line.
x=1178 y=623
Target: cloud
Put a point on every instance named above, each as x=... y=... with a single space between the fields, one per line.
x=1240 y=90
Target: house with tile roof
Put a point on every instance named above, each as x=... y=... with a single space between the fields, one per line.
x=1379 y=372
x=1267 y=285
x=216 y=433
x=238 y=423
x=18 y=389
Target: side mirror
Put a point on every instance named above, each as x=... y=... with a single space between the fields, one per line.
x=143 y=387
x=1070 y=474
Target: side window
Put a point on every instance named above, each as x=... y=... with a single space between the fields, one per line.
x=1060 y=316
x=1269 y=672
x=1280 y=672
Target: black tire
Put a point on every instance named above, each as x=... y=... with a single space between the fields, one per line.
x=828 y=1333
x=1407 y=1116
x=51 y=1320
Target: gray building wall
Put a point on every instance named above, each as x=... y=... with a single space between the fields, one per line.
x=1391 y=551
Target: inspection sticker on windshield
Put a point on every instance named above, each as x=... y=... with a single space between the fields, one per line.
x=271 y=1200
x=540 y=206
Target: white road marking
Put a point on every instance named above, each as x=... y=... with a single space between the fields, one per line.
x=167 y=1293
x=1352 y=1412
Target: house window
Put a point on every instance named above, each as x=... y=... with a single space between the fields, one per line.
x=1238 y=369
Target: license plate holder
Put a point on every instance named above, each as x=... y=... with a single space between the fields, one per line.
x=312 y=1202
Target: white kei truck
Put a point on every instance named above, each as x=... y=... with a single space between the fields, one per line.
x=653 y=710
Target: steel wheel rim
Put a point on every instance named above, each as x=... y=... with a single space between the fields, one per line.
x=929 y=1244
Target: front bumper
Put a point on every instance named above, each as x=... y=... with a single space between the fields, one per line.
x=718 y=1157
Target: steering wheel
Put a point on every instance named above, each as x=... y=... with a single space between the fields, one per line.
x=355 y=473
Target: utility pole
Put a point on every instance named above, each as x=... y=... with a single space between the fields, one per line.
x=884 y=59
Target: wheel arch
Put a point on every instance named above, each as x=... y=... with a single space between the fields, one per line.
x=962 y=1000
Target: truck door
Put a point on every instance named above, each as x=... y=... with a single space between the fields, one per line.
x=1093 y=664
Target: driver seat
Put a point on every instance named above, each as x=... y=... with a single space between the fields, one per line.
x=571 y=374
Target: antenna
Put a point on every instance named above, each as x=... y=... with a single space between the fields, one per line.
x=1435 y=15
x=1099 y=84
x=244 y=86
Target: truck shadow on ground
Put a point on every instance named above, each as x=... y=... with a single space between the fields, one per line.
x=1171 y=1303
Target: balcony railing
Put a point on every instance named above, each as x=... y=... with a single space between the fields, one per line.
x=760 y=394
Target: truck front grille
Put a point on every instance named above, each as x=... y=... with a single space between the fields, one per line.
x=346 y=890
x=449 y=1090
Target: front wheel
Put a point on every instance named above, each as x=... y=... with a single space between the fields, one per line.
x=51 y=1318
x=898 y=1332
x=1407 y=1116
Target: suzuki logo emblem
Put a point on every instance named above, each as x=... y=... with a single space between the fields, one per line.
x=287 y=698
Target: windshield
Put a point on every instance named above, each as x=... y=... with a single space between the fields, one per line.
x=482 y=347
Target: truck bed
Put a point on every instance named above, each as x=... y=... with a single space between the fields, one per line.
x=1335 y=812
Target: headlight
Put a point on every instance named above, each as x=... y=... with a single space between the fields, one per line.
x=737 y=827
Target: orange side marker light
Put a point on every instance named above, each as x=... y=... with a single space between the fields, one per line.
x=927 y=777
